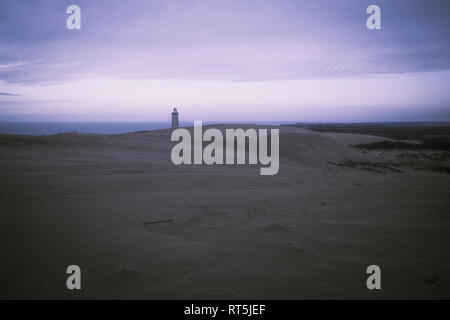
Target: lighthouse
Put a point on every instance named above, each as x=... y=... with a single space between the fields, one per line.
x=174 y=118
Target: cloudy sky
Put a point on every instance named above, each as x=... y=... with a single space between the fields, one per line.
x=277 y=60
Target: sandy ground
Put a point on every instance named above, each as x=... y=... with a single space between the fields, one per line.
x=308 y=232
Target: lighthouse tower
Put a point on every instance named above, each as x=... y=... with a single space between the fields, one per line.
x=174 y=118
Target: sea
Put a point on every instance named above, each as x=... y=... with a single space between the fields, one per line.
x=50 y=128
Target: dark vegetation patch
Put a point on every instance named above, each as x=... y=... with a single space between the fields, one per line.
x=379 y=167
x=391 y=167
x=434 y=135
x=441 y=169
x=390 y=145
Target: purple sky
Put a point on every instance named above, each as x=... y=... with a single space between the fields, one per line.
x=279 y=60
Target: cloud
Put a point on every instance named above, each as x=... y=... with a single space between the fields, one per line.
x=8 y=94
x=228 y=40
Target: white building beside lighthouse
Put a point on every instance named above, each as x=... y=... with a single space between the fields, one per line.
x=174 y=118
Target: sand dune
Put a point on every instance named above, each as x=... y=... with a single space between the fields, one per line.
x=308 y=232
